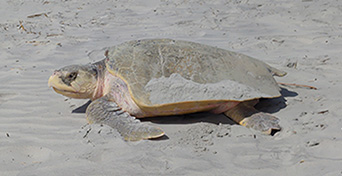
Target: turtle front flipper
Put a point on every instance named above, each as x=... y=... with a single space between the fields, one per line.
x=246 y=115
x=109 y=113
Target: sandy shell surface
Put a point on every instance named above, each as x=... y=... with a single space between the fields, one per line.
x=43 y=133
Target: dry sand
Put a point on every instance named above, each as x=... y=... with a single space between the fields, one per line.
x=39 y=134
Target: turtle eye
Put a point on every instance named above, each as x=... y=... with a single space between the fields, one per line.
x=95 y=71
x=72 y=76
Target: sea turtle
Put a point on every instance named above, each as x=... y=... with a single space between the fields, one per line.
x=160 y=77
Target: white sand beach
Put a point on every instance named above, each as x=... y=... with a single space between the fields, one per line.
x=43 y=133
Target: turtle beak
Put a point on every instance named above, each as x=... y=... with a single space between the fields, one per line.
x=56 y=82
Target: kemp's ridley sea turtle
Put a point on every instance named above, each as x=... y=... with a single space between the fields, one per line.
x=159 y=77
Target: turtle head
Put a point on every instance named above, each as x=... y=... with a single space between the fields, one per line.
x=77 y=81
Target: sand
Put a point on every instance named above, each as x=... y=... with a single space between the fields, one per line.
x=43 y=133
x=175 y=88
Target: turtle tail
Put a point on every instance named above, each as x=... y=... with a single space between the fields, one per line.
x=276 y=72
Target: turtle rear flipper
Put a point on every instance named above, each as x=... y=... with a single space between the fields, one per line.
x=246 y=115
x=109 y=113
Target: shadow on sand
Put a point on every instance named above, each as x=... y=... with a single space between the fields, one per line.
x=270 y=105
